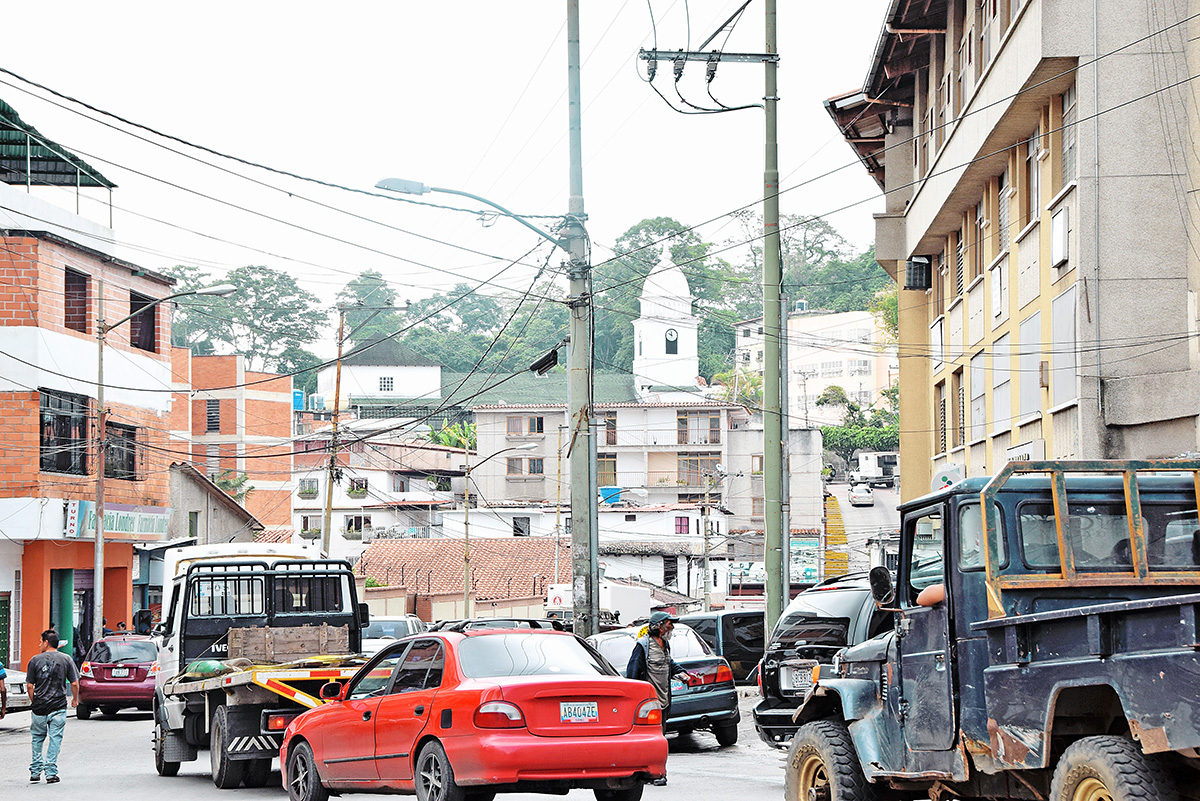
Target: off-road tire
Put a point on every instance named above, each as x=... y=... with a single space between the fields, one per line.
x=258 y=773
x=727 y=734
x=161 y=765
x=1111 y=768
x=83 y=711
x=822 y=755
x=434 y=777
x=227 y=773
x=300 y=775
x=628 y=794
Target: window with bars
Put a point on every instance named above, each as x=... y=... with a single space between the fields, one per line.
x=698 y=428
x=1002 y=213
x=831 y=369
x=1069 y=138
x=958 y=398
x=610 y=428
x=212 y=416
x=64 y=432
x=386 y=383
x=939 y=286
x=758 y=507
x=860 y=367
x=694 y=467
x=1033 y=190
x=120 y=452
x=307 y=486
x=75 y=300
x=958 y=265
x=941 y=417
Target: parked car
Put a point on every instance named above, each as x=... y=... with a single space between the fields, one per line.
x=706 y=701
x=861 y=495
x=18 y=693
x=736 y=634
x=478 y=710
x=384 y=630
x=118 y=673
x=817 y=624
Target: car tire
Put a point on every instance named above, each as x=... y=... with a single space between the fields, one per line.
x=161 y=765
x=822 y=763
x=1112 y=768
x=434 y=777
x=226 y=773
x=110 y=711
x=83 y=711
x=727 y=734
x=628 y=794
x=258 y=773
x=301 y=776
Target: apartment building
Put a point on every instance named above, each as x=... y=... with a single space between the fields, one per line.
x=824 y=349
x=1036 y=161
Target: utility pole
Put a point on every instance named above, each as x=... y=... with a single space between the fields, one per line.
x=326 y=529
x=582 y=447
x=786 y=473
x=773 y=329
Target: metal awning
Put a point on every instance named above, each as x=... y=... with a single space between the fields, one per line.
x=29 y=159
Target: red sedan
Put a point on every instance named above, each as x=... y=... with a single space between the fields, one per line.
x=477 y=711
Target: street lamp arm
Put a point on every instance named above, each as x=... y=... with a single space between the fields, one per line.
x=222 y=290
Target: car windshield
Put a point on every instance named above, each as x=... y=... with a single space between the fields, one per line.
x=116 y=651
x=388 y=628
x=527 y=654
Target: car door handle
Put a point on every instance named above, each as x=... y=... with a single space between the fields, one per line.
x=367 y=715
x=420 y=710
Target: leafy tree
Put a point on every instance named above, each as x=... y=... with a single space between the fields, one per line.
x=886 y=308
x=466 y=311
x=369 y=303
x=295 y=359
x=846 y=441
x=749 y=388
x=234 y=484
x=459 y=435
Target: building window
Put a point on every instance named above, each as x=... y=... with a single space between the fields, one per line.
x=683 y=525
x=75 y=301
x=1001 y=388
x=670 y=570
x=141 y=324
x=120 y=452
x=977 y=260
x=514 y=426
x=940 y=410
x=1064 y=369
x=212 y=416
x=1032 y=179
x=1029 y=361
x=439 y=483
x=958 y=397
x=610 y=428
x=358 y=488
x=860 y=367
x=64 y=432
x=308 y=486
x=831 y=369
x=515 y=466
x=758 y=507
x=698 y=428
x=537 y=425
x=958 y=264
x=939 y=286
x=399 y=483
x=978 y=398
x=386 y=383
x=630 y=518
x=212 y=460
x=357 y=523
x=756 y=464
x=521 y=526
x=312 y=523
x=694 y=468
x=745 y=332
x=1002 y=213
x=606 y=469
x=537 y=467
x=1069 y=148
x=518 y=426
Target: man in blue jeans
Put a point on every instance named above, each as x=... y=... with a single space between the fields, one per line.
x=48 y=675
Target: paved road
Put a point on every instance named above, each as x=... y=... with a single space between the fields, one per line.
x=862 y=518
x=109 y=759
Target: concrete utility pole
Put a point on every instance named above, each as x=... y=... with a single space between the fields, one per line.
x=326 y=528
x=773 y=331
x=582 y=444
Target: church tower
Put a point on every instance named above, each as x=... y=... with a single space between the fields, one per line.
x=666 y=359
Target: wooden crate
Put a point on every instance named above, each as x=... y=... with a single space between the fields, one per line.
x=261 y=644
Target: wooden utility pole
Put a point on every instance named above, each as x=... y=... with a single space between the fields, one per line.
x=326 y=528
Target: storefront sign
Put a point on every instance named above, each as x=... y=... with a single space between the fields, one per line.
x=122 y=523
x=1032 y=451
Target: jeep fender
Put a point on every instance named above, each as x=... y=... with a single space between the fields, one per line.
x=849 y=699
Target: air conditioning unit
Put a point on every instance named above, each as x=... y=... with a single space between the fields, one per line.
x=917 y=274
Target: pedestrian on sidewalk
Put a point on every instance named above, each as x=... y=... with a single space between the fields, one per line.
x=3 y=690
x=48 y=675
x=651 y=661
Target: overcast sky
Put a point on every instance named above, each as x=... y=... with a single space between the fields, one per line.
x=468 y=95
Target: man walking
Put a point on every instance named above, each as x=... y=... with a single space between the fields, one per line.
x=49 y=674
x=651 y=661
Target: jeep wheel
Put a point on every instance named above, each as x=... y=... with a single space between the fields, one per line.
x=823 y=766
x=226 y=773
x=1110 y=769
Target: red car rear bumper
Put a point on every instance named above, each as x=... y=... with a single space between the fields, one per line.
x=504 y=757
x=126 y=693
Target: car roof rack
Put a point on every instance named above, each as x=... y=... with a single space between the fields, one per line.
x=474 y=624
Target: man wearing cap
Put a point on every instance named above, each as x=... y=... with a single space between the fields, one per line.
x=651 y=661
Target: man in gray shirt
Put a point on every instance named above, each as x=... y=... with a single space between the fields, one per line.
x=48 y=675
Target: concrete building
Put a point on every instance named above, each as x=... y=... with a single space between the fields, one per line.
x=1038 y=220
x=845 y=349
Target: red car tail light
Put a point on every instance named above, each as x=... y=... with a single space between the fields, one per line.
x=724 y=673
x=758 y=675
x=153 y=670
x=499 y=715
x=85 y=670
x=649 y=713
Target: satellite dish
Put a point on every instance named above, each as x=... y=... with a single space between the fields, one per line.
x=720 y=469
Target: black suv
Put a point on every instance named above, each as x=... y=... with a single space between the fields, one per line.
x=818 y=623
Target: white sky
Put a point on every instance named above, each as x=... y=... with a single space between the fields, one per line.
x=468 y=95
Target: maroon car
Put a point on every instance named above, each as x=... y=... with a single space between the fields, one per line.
x=119 y=673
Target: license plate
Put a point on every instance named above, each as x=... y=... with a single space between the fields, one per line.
x=579 y=712
x=796 y=678
x=120 y=673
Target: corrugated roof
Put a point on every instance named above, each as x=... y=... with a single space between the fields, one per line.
x=647 y=548
x=386 y=352
x=24 y=150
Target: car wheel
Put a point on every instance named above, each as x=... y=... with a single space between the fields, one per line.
x=628 y=794
x=110 y=711
x=258 y=773
x=83 y=711
x=434 y=776
x=822 y=764
x=303 y=781
x=226 y=773
x=727 y=733
x=1110 y=768
x=161 y=765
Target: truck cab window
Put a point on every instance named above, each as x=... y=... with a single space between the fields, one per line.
x=970 y=538
x=1096 y=533
x=926 y=566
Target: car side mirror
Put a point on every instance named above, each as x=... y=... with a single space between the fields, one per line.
x=332 y=691
x=882 y=589
x=364 y=615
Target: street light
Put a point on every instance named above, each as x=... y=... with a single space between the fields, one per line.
x=528 y=446
x=102 y=329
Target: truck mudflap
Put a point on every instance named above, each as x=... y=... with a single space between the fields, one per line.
x=258 y=746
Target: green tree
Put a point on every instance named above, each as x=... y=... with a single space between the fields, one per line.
x=304 y=364
x=369 y=303
x=885 y=305
x=749 y=388
x=459 y=435
x=234 y=484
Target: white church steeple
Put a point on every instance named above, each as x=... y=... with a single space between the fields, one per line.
x=666 y=358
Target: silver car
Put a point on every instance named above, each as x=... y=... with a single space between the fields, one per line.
x=18 y=695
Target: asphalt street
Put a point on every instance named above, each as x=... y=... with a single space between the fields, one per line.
x=110 y=759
